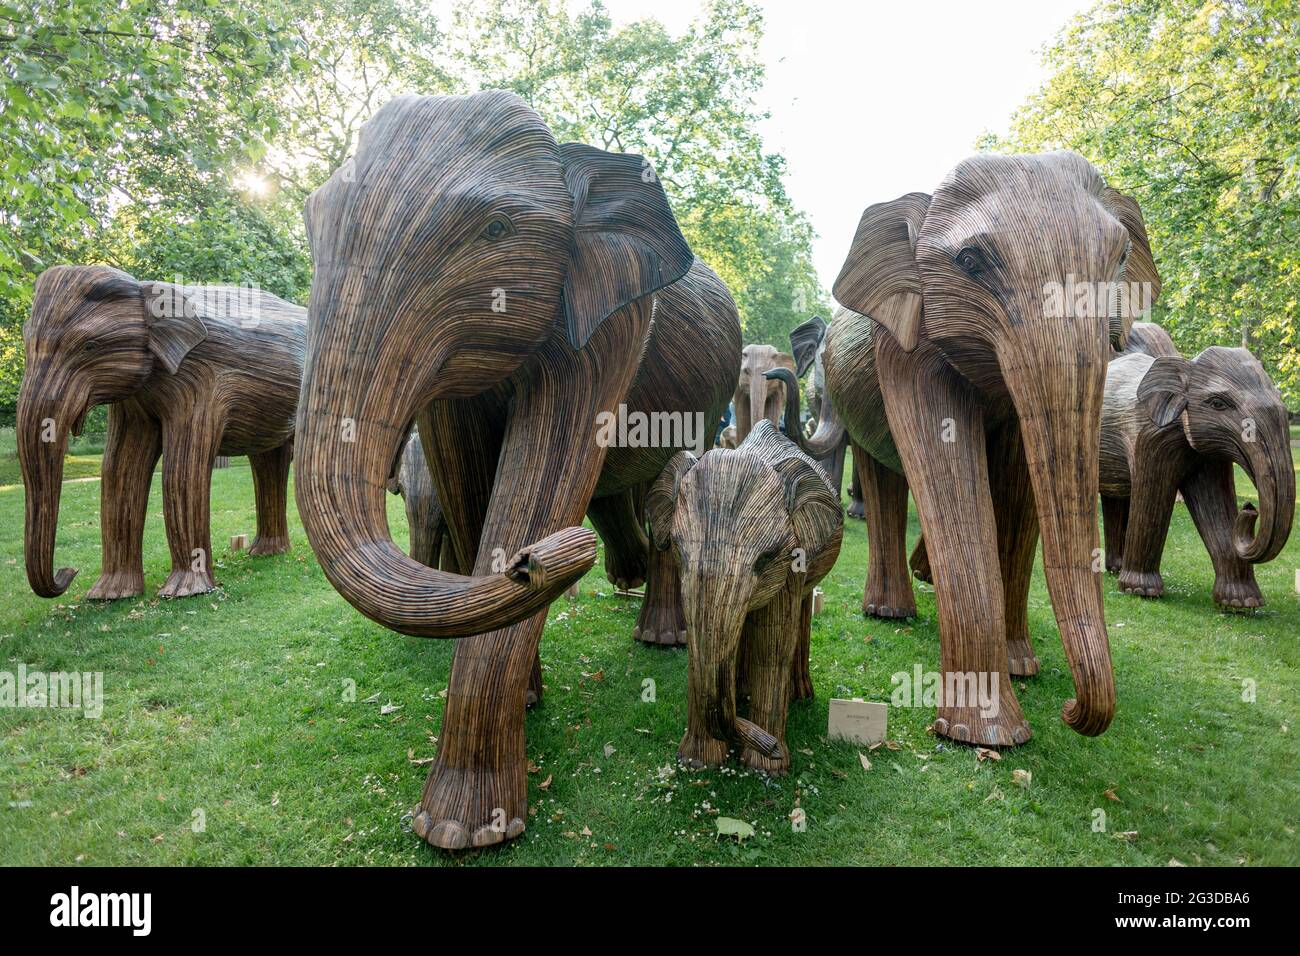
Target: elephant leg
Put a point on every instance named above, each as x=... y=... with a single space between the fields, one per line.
x=855 y=483
x=769 y=645
x=477 y=790
x=662 y=619
x=938 y=426
x=888 y=592
x=801 y=686
x=131 y=451
x=1017 y=518
x=626 y=544
x=1155 y=486
x=270 y=481
x=1210 y=492
x=190 y=444
x=1114 y=521
x=919 y=562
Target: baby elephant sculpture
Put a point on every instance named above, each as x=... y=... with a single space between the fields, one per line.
x=1173 y=425
x=751 y=530
x=188 y=372
x=425 y=525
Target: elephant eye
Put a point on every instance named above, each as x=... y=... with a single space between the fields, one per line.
x=1218 y=403
x=971 y=261
x=765 y=559
x=498 y=228
x=90 y=345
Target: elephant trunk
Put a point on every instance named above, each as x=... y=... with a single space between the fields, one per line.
x=348 y=433
x=1271 y=469
x=830 y=433
x=43 y=427
x=757 y=403
x=715 y=620
x=1059 y=407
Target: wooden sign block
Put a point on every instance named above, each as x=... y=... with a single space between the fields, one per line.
x=572 y=592
x=238 y=542
x=818 y=596
x=861 y=721
x=1297 y=580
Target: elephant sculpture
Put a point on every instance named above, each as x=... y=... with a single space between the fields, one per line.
x=425 y=524
x=807 y=342
x=977 y=385
x=188 y=373
x=1171 y=424
x=534 y=308
x=758 y=397
x=752 y=530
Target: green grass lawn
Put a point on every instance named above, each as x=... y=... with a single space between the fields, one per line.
x=231 y=707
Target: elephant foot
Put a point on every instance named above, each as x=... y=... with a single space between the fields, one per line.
x=887 y=609
x=1146 y=584
x=469 y=808
x=263 y=546
x=920 y=565
x=699 y=751
x=1114 y=563
x=533 y=695
x=772 y=766
x=660 y=623
x=997 y=723
x=855 y=510
x=1021 y=659
x=114 y=585
x=1237 y=594
x=626 y=569
x=187 y=583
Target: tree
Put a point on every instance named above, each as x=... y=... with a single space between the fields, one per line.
x=1193 y=107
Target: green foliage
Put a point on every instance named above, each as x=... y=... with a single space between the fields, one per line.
x=1193 y=108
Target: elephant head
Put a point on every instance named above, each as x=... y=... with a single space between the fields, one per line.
x=734 y=520
x=985 y=270
x=758 y=397
x=807 y=342
x=94 y=337
x=459 y=242
x=1230 y=409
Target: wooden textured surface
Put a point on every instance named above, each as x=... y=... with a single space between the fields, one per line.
x=752 y=530
x=966 y=381
x=504 y=292
x=808 y=345
x=1172 y=425
x=188 y=373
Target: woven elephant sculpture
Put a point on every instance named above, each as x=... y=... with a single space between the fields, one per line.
x=188 y=373
x=752 y=530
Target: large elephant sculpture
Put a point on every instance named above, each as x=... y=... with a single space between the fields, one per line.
x=188 y=373
x=978 y=381
x=752 y=530
x=522 y=301
x=1171 y=424
x=807 y=343
x=758 y=397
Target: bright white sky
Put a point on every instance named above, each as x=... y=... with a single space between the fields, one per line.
x=871 y=99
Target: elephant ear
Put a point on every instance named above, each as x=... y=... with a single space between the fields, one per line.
x=174 y=322
x=804 y=342
x=661 y=498
x=879 y=277
x=1163 y=390
x=814 y=509
x=626 y=240
x=1140 y=267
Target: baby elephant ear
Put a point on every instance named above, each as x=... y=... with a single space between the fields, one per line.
x=626 y=241
x=879 y=277
x=804 y=342
x=814 y=510
x=661 y=498
x=1163 y=390
x=175 y=326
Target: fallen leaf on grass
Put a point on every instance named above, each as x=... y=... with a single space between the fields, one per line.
x=866 y=764
x=419 y=761
x=1111 y=795
x=1127 y=835
x=984 y=753
x=389 y=708
x=1022 y=778
x=741 y=830
x=546 y=784
x=609 y=750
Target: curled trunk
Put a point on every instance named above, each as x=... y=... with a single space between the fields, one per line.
x=1271 y=469
x=830 y=430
